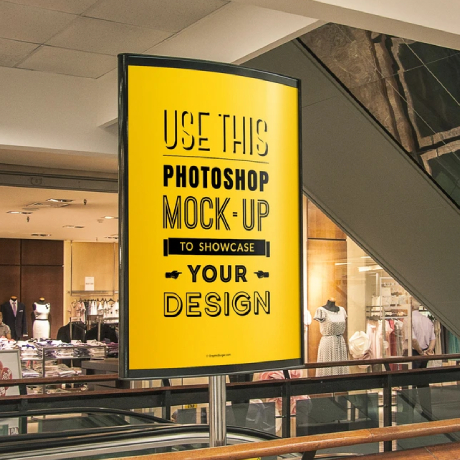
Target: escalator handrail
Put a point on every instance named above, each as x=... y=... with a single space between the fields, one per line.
x=70 y=410
x=314 y=442
x=80 y=437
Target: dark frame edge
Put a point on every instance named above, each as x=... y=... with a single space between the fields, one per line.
x=209 y=66
x=123 y=213
x=205 y=371
x=301 y=229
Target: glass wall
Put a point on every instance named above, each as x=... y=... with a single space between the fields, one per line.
x=355 y=309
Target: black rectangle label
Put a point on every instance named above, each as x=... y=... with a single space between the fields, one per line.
x=216 y=247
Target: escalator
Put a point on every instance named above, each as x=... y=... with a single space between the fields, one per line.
x=95 y=434
x=388 y=177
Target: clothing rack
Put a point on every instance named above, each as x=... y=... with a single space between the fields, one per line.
x=385 y=341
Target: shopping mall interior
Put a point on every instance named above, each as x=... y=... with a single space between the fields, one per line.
x=380 y=185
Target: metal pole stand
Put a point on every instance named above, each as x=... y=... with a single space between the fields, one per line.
x=217 y=411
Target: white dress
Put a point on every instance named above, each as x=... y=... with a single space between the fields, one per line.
x=332 y=345
x=41 y=326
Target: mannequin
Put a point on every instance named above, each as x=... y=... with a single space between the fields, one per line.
x=41 y=326
x=14 y=315
x=330 y=305
x=332 y=346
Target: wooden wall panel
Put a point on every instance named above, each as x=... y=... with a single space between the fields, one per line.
x=43 y=281
x=320 y=226
x=10 y=251
x=42 y=252
x=10 y=281
x=97 y=260
x=325 y=280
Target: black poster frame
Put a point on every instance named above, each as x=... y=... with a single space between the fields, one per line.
x=124 y=61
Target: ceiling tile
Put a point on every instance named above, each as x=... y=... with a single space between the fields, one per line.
x=69 y=62
x=100 y=36
x=12 y=52
x=171 y=15
x=68 y=6
x=31 y=24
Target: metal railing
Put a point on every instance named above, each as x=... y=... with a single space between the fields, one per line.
x=170 y=396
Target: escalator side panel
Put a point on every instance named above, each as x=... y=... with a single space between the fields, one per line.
x=364 y=181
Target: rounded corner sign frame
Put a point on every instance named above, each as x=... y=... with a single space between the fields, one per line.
x=210 y=219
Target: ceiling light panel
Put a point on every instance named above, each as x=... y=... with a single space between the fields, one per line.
x=47 y=204
x=59 y=200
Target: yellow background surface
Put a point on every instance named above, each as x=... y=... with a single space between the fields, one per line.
x=156 y=341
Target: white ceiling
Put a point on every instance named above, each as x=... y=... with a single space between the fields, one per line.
x=51 y=219
x=83 y=37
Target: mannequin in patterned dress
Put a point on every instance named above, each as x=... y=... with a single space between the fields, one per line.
x=332 y=346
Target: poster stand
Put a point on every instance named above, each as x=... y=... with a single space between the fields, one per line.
x=217 y=411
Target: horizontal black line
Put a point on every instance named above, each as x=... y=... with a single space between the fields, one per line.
x=217 y=158
x=328 y=239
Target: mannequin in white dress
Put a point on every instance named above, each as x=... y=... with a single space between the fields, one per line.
x=41 y=326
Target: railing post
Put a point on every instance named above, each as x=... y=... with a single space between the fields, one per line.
x=387 y=414
x=166 y=409
x=286 y=410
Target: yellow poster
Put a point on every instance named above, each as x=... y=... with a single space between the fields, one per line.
x=211 y=256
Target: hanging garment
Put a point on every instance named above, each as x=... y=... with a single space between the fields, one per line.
x=359 y=345
x=78 y=332
x=293 y=374
x=374 y=331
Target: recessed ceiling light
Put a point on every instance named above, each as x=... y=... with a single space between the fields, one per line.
x=18 y=212
x=59 y=200
x=110 y=217
x=47 y=204
x=73 y=226
x=40 y=234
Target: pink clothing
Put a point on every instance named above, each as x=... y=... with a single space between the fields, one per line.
x=278 y=375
